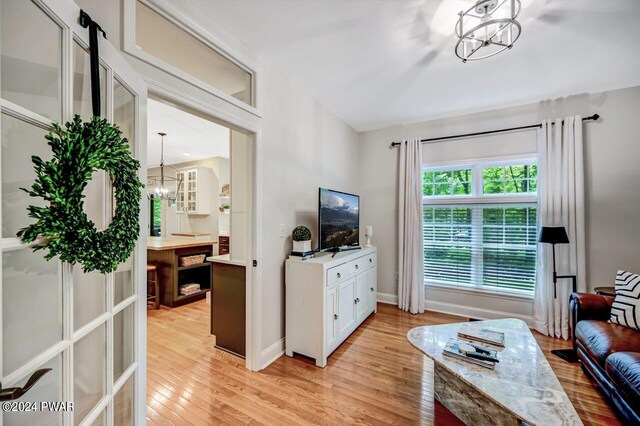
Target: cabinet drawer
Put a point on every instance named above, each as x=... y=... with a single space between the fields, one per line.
x=337 y=273
x=362 y=263
x=223 y=250
x=369 y=260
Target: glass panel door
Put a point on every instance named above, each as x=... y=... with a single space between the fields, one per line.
x=88 y=328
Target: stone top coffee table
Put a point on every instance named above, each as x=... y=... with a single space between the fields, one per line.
x=522 y=389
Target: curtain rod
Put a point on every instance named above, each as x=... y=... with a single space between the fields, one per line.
x=488 y=132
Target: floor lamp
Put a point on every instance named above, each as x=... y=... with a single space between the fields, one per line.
x=558 y=235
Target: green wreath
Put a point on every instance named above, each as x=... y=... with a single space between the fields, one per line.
x=63 y=226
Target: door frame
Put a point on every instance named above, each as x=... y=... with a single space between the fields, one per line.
x=253 y=305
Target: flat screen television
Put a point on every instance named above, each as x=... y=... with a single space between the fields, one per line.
x=338 y=220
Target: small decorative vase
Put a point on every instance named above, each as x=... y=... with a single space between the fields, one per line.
x=302 y=246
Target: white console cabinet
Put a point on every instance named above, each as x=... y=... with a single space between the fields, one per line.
x=327 y=298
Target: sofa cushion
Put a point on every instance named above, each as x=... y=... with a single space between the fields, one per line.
x=601 y=339
x=624 y=370
x=626 y=306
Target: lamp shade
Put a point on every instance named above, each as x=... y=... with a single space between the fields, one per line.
x=553 y=235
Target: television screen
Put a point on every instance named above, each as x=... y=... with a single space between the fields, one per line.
x=339 y=219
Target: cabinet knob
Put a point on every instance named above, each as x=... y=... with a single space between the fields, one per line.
x=355 y=301
x=356 y=266
x=371 y=288
x=339 y=275
x=370 y=260
x=335 y=316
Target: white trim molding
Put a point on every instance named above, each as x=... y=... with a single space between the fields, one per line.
x=473 y=312
x=459 y=310
x=389 y=299
x=272 y=353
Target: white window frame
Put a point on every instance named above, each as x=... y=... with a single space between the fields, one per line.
x=478 y=197
x=187 y=24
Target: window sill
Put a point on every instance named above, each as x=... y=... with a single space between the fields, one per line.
x=526 y=297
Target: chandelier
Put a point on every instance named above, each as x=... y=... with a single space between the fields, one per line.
x=159 y=183
x=487 y=28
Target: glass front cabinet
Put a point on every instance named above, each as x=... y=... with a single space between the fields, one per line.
x=195 y=194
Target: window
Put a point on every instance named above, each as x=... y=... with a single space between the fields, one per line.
x=188 y=56
x=480 y=226
x=155 y=216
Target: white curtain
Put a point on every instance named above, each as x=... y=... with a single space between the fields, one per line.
x=410 y=252
x=560 y=203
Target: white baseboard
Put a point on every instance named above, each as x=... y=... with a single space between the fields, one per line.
x=473 y=312
x=460 y=310
x=390 y=299
x=272 y=353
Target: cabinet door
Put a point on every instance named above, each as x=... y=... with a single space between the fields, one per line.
x=192 y=191
x=180 y=192
x=331 y=318
x=346 y=307
x=372 y=289
x=362 y=290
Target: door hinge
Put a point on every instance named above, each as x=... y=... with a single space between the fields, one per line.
x=255 y=263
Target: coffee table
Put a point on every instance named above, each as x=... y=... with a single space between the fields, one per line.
x=522 y=389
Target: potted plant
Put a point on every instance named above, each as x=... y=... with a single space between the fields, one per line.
x=301 y=237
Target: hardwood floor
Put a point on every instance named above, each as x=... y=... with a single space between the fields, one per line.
x=375 y=377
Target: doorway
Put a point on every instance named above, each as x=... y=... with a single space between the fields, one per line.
x=201 y=214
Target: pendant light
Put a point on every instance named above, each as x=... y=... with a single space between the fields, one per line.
x=159 y=183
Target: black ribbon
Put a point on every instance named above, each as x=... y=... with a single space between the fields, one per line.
x=86 y=21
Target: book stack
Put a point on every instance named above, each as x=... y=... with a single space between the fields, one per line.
x=188 y=289
x=484 y=335
x=302 y=255
x=472 y=353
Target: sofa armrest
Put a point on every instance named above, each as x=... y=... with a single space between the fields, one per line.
x=587 y=306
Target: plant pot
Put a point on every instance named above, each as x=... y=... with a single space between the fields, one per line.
x=302 y=246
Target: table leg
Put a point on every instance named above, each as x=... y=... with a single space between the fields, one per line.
x=157 y=288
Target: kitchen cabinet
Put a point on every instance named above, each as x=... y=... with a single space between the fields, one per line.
x=196 y=192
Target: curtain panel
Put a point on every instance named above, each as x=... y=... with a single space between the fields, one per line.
x=410 y=245
x=560 y=203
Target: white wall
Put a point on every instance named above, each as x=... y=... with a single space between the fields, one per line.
x=304 y=147
x=612 y=152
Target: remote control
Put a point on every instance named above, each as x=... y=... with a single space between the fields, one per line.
x=482 y=356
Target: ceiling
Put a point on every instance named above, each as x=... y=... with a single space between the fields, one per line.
x=188 y=138
x=375 y=63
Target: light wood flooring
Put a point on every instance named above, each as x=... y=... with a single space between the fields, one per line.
x=375 y=377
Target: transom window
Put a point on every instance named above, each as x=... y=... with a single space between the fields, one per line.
x=479 y=226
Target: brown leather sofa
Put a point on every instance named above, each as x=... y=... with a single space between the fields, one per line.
x=609 y=353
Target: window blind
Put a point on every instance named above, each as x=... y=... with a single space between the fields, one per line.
x=483 y=245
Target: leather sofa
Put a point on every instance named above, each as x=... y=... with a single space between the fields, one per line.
x=609 y=353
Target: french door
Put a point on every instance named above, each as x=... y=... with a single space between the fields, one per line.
x=89 y=329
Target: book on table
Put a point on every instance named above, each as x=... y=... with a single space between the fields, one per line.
x=484 y=335
x=452 y=349
x=301 y=255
